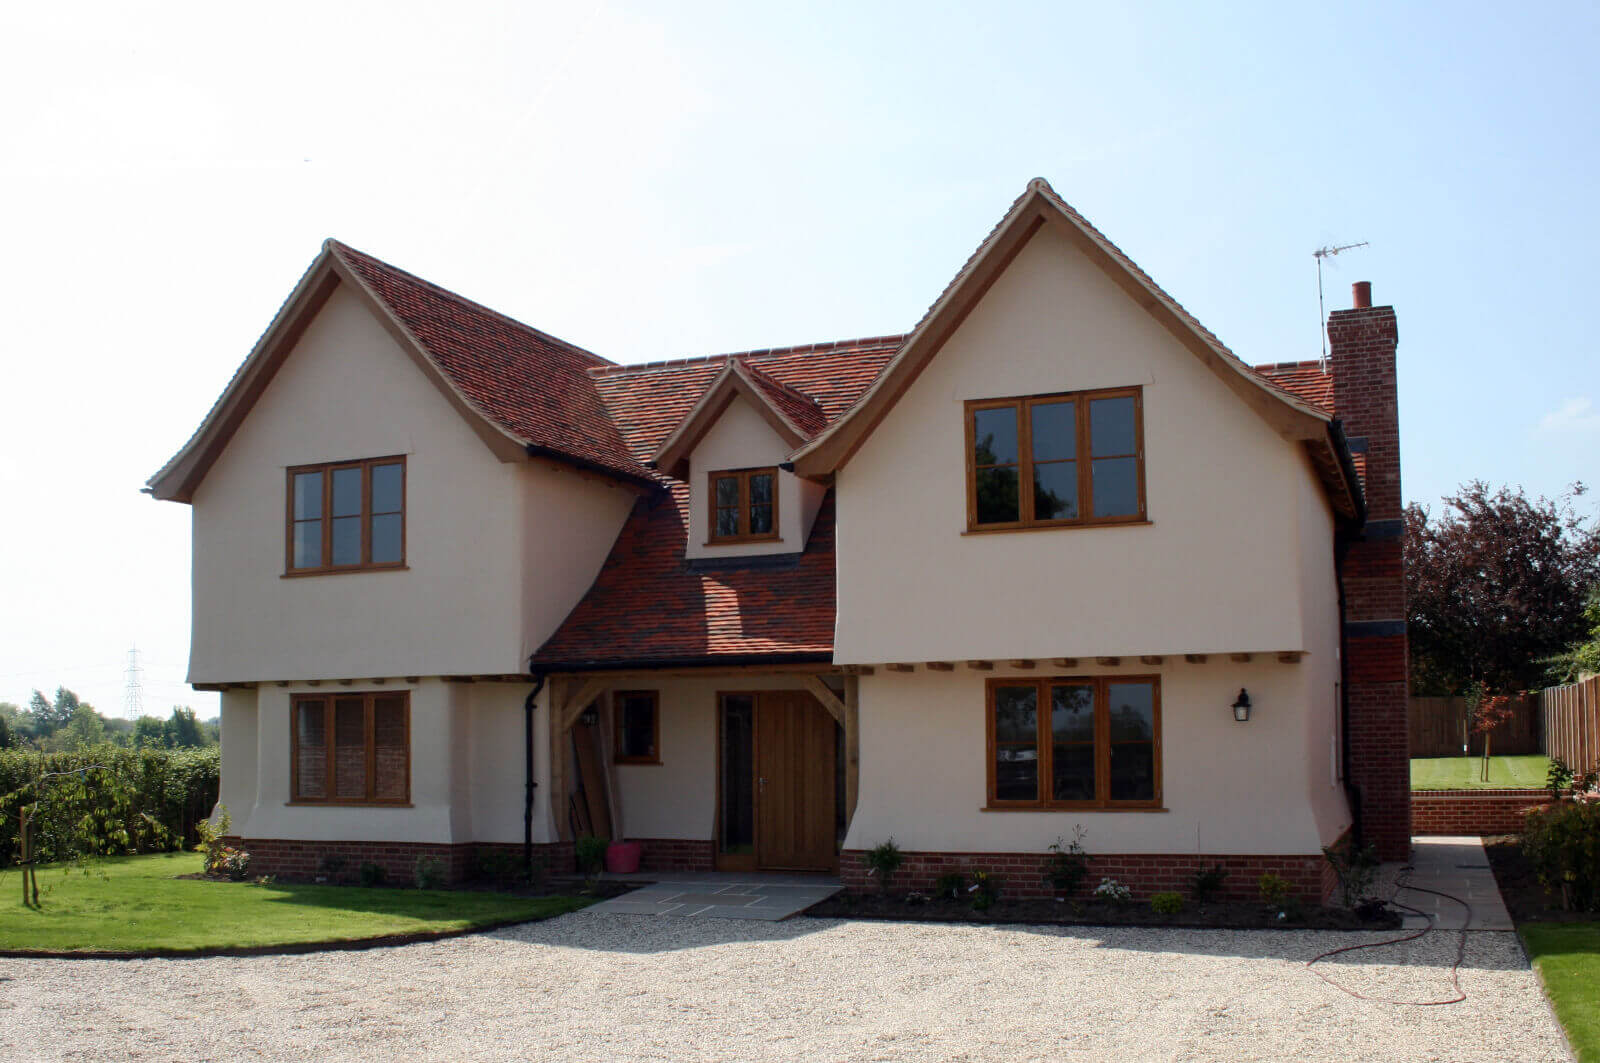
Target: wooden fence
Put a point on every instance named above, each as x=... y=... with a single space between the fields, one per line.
x=1571 y=721
x=1439 y=726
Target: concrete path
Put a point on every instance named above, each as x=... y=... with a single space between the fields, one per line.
x=722 y=895
x=1457 y=866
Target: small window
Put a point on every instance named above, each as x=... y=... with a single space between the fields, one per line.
x=352 y=749
x=1074 y=458
x=347 y=516
x=744 y=505
x=1070 y=742
x=638 y=727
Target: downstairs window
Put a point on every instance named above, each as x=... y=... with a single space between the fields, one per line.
x=1091 y=742
x=352 y=749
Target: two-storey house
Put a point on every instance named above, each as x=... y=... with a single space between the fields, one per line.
x=1054 y=557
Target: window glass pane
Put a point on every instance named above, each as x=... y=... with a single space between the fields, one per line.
x=307 y=543
x=727 y=491
x=390 y=773
x=387 y=492
x=307 y=495
x=1116 y=487
x=1073 y=768
x=1133 y=771
x=1133 y=711
x=997 y=495
x=638 y=732
x=1055 y=491
x=311 y=747
x=761 y=489
x=347 y=492
x=1072 y=713
x=347 y=541
x=349 y=748
x=1016 y=743
x=1111 y=429
x=760 y=520
x=1055 y=431
x=994 y=436
x=737 y=756
x=386 y=538
x=727 y=523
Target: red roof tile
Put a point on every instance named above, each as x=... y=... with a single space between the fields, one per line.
x=650 y=605
x=535 y=386
x=1307 y=380
x=799 y=410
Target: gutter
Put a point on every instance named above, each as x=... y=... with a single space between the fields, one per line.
x=535 y=450
x=1347 y=465
x=539 y=667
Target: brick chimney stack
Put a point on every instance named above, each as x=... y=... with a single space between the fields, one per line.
x=1362 y=344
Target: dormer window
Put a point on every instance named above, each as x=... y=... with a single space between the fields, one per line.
x=744 y=506
x=347 y=516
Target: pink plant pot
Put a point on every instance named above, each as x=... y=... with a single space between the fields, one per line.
x=622 y=858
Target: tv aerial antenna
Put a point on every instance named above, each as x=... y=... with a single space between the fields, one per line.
x=1327 y=251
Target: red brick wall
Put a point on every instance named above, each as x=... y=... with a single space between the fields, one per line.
x=1361 y=347
x=676 y=854
x=295 y=859
x=1473 y=811
x=1022 y=874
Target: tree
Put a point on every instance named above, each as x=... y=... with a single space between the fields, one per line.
x=1584 y=657
x=149 y=732
x=5 y=731
x=1496 y=586
x=183 y=729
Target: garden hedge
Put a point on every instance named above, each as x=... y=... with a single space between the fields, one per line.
x=176 y=787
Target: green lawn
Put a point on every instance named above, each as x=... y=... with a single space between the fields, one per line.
x=1461 y=773
x=1568 y=959
x=135 y=903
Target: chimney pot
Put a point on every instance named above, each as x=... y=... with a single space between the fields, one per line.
x=1361 y=292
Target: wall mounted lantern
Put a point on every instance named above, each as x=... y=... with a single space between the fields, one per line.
x=1241 y=707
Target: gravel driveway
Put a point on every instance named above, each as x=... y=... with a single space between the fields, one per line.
x=611 y=987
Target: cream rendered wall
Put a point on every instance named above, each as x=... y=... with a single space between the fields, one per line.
x=238 y=769
x=349 y=391
x=1227 y=786
x=1320 y=671
x=1220 y=483
x=569 y=522
x=435 y=769
x=495 y=771
x=742 y=439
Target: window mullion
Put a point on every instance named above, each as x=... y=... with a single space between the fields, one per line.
x=326 y=560
x=1102 y=744
x=1025 y=461
x=369 y=734
x=330 y=754
x=1046 y=787
x=1080 y=411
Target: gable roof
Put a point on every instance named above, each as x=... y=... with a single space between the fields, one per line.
x=650 y=607
x=1310 y=381
x=793 y=416
x=1036 y=207
x=522 y=390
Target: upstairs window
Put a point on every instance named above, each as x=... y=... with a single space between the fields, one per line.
x=744 y=505
x=347 y=515
x=352 y=749
x=1055 y=460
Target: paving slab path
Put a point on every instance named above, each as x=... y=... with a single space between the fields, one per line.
x=598 y=986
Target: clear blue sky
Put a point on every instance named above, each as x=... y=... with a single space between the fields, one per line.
x=656 y=180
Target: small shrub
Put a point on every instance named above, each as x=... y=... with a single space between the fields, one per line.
x=332 y=865
x=1562 y=843
x=1113 y=892
x=1356 y=868
x=883 y=860
x=372 y=874
x=235 y=863
x=1068 y=864
x=1274 y=889
x=429 y=873
x=211 y=835
x=985 y=890
x=590 y=853
x=1207 y=885
x=951 y=885
x=1167 y=902
x=505 y=866
x=1558 y=778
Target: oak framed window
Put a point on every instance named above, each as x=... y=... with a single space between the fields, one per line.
x=636 y=733
x=744 y=506
x=1097 y=745
x=1063 y=460
x=346 y=516
x=350 y=749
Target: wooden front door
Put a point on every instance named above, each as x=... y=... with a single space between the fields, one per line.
x=794 y=760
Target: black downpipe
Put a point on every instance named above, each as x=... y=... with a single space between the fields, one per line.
x=528 y=784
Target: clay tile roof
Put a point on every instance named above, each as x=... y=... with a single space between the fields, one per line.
x=651 y=605
x=534 y=385
x=1310 y=381
x=813 y=384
